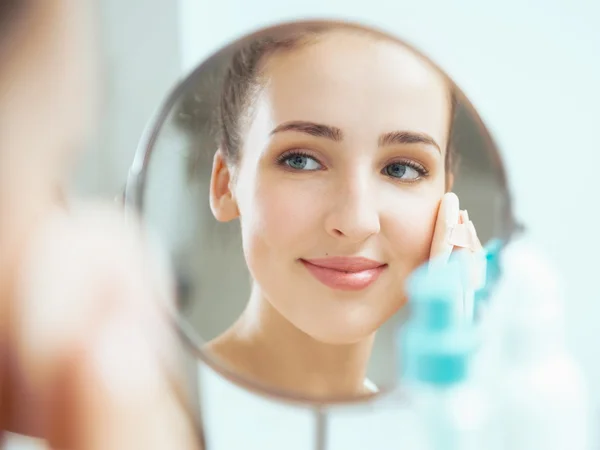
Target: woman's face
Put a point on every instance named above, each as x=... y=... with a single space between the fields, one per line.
x=343 y=158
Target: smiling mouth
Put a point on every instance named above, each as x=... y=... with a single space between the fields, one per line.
x=345 y=273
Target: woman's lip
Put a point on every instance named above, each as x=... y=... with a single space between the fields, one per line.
x=345 y=263
x=344 y=280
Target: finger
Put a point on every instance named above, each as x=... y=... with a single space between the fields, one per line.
x=90 y=317
x=448 y=216
x=475 y=262
x=476 y=243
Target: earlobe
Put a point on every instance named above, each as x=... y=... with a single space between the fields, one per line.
x=222 y=201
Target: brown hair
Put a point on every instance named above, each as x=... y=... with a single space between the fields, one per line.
x=242 y=82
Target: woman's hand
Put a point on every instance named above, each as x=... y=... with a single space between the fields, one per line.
x=454 y=231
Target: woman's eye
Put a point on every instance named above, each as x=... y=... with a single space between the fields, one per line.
x=302 y=162
x=403 y=171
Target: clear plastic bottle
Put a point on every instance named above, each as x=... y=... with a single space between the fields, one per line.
x=437 y=345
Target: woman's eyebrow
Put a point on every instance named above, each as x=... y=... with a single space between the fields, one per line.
x=336 y=134
x=407 y=137
x=314 y=129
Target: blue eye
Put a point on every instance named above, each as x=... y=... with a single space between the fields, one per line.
x=300 y=161
x=407 y=170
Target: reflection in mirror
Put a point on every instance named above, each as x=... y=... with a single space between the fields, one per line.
x=298 y=178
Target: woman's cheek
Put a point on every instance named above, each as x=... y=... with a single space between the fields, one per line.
x=283 y=213
x=292 y=209
x=412 y=227
x=426 y=228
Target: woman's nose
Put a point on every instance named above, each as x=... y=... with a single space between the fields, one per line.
x=354 y=213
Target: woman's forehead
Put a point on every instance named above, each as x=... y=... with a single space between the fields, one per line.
x=349 y=80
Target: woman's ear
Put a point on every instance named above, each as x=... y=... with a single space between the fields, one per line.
x=222 y=201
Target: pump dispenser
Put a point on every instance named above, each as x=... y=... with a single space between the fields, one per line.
x=437 y=344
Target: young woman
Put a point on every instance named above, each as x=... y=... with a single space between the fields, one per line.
x=335 y=157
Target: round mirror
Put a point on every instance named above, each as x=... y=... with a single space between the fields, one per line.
x=297 y=178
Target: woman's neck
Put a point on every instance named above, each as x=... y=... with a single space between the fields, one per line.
x=265 y=346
